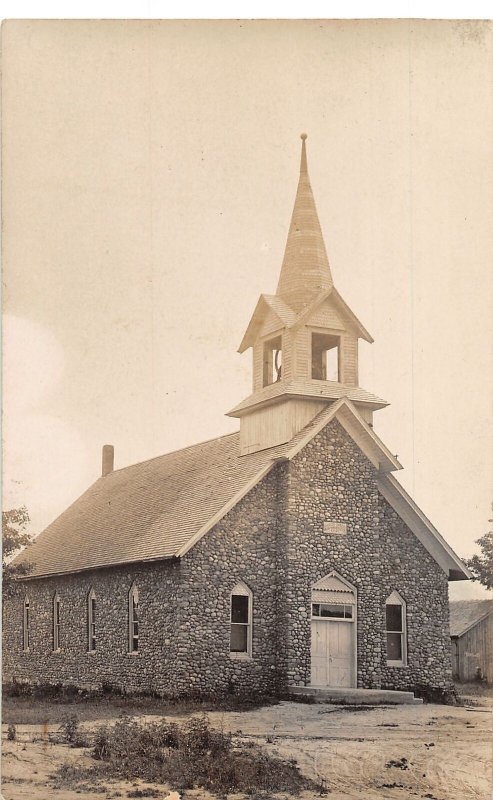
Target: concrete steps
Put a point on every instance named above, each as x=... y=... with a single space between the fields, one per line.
x=359 y=697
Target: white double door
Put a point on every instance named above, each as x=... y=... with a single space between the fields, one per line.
x=333 y=653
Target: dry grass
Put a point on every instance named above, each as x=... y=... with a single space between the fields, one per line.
x=184 y=757
x=474 y=689
x=37 y=705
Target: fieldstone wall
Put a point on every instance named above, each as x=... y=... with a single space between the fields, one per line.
x=248 y=545
x=274 y=542
x=151 y=669
x=332 y=480
x=424 y=587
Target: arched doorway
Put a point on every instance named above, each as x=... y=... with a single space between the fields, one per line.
x=333 y=632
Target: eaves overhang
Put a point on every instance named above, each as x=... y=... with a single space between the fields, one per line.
x=424 y=530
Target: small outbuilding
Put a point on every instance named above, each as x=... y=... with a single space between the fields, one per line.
x=471 y=633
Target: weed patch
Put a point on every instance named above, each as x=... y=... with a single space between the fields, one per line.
x=78 y=778
x=69 y=733
x=433 y=694
x=28 y=704
x=188 y=756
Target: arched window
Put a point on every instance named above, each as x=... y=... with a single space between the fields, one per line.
x=240 y=640
x=395 y=630
x=56 y=622
x=91 y=621
x=26 y=624
x=133 y=619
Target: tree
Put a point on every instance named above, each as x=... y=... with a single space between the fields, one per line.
x=14 y=538
x=482 y=565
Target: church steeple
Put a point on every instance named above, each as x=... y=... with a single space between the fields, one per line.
x=305 y=268
x=304 y=339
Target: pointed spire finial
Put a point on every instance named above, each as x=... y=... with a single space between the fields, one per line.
x=305 y=269
x=303 y=165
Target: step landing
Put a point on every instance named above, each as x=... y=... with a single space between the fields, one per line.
x=359 y=697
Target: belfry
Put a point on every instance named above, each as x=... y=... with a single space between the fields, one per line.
x=304 y=339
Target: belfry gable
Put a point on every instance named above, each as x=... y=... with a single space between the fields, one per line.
x=327 y=309
x=271 y=307
x=330 y=310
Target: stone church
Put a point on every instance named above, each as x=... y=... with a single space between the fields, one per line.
x=284 y=555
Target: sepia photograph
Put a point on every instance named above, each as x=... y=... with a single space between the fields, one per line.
x=247 y=343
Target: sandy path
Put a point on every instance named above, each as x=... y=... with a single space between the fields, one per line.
x=448 y=752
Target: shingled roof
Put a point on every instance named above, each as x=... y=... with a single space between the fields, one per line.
x=146 y=511
x=304 y=387
x=160 y=508
x=464 y=614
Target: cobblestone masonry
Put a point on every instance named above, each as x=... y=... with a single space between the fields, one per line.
x=249 y=546
x=273 y=541
x=151 y=669
x=332 y=480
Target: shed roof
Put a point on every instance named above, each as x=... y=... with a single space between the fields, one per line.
x=465 y=614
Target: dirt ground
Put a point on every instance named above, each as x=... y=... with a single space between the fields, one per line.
x=427 y=751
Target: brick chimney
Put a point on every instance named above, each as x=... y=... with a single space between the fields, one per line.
x=108 y=459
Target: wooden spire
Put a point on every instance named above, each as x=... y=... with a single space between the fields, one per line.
x=305 y=269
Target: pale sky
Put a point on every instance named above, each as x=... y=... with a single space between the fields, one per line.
x=149 y=173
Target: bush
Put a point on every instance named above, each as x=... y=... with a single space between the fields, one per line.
x=69 y=733
x=51 y=692
x=11 y=733
x=17 y=689
x=435 y=694
x=101 y=749
x=191 y=755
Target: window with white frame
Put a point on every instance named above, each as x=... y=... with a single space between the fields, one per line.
x=133 y=619
x=240 y=641
x=56 y=622
x=91 y=621
x=395 y=630
x=26 y=624
x=336 y=610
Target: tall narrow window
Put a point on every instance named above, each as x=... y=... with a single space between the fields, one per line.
x=26 y=625
x=91 y=621
x=56 y=622
x=325 y=357
x=240 y=642
x=395 y=625
x=272 y=367
x=133 y=620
